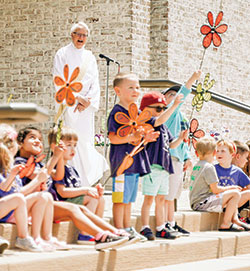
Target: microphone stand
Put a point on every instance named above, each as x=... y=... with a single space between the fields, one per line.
x=106 y=108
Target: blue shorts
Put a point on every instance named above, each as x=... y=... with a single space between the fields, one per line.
x=5 y=218
x=155 y=183
x=124 y=188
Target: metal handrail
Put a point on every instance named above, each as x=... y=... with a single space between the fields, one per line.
x=215 y=97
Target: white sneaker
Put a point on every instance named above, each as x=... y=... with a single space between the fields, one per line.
x=58 y=245
x=27 y=244
x=46 y=247
x=133 y=232
x=106 y=240
x=3 y=244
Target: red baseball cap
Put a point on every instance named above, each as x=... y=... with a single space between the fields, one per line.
x=152 y=97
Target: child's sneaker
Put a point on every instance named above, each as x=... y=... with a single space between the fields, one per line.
x=46 y=246
x=166 y=234
x=106 y=240
x=58 y=245
x=85 y=239
x=181 y=230
x=148 y=234
x=133 y=232
x=28 y=244
x=3 y=244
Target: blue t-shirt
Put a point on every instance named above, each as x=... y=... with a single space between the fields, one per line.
x=71 y=179
x=158 y=151
x=174 y=125
x=141 y=162
x=232 y=176
x=38 y=165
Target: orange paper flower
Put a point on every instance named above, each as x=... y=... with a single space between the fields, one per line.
x=132 y=122
x=67 y=87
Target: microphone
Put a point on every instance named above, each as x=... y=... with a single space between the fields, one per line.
x=109 y=59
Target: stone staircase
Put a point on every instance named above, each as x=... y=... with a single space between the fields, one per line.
x=204 y=249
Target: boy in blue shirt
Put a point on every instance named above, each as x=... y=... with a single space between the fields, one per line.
x=230 y=174
x=180 y=155
x=125 y=186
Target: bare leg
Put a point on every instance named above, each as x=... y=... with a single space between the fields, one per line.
x=127 y=215
x=95 y=205
x=147 y=203
x=65 y=211
x=48 y=218
x=159 y=210
x=36 y=205
x=118 y=215
x=16 y=202
x=169 y=210
x=230 y=201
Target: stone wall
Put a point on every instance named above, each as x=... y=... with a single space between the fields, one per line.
x=155 y=39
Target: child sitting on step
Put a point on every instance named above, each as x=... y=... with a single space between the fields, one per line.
x=205 y=192
x=69 y=188
x=39 y=205
x=106 y=236
x=229 y=174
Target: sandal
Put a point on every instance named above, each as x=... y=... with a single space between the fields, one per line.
x=233 y=228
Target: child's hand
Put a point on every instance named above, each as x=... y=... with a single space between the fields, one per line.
x=59 y=149
x=42 y=176
x=43 y=186
x=151 y=136
x=16 y=169
x=100 y=189
x=184 y=135
x=178 y=100
x=196 y=75
x=187 y=164
x=137 y=136
x=92 y=192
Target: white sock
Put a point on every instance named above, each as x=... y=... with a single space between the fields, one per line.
x=160 y=228
x=144 y=227
x=171 y=223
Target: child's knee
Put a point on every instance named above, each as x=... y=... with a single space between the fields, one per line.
x=148 y=200
x=20 y=198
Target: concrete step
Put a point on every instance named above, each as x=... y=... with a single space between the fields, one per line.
x=233 y=263
x=151 y=254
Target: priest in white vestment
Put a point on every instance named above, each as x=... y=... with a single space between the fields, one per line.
x=88 y=162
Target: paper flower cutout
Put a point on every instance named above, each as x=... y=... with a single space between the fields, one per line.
x=67 y=87
x=202 y=94
x=194 y=133
x=128 y=159
x=30 y=166
x=213 y=30
x=132 y=122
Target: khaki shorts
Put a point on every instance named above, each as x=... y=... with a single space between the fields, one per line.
x=210 y=204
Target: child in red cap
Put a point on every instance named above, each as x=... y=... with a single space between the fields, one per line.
x=155 y=184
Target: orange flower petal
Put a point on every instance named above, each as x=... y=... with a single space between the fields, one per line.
x=122 y=118
x=144 y=116
x=74 y=74
x=207 y=40
x=59 y=81
x=76 y=87
x=221 y=29
x=133 y=111
x=219 y=18
x=70 y=98
x=210 y=18
x=61 y=94
x=124 y=130
x=66 y=72
x=205 y=29
x=216 y=40
x=194 y=125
